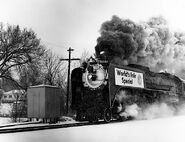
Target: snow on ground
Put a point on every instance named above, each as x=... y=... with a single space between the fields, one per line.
x=5 y=109
x=157 y=130
x=5 y=120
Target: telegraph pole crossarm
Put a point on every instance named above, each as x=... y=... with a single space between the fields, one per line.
x=71 y=59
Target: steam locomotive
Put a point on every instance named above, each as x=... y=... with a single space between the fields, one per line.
x=102 y=90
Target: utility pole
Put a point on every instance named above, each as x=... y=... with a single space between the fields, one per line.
x=68 y=75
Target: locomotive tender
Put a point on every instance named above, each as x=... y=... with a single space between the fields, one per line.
x=102 y=90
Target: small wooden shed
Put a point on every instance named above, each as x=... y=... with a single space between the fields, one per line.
x=44 y=101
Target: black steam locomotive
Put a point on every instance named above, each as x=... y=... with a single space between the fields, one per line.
x=101 y=90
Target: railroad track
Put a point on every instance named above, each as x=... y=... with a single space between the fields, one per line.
x=19 y=124
x=8 y=129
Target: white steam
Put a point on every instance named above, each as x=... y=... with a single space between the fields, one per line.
x=153 y=111
x=131 y=110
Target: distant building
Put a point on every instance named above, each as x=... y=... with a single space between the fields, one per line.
x=13 y=95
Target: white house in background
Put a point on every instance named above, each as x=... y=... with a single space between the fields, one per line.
x=12 y=96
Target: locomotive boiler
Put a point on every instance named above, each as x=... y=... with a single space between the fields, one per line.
x=102 y=90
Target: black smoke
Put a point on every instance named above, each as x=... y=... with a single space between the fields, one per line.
x=149 y=43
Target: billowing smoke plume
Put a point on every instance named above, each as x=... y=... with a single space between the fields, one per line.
x=148 y=43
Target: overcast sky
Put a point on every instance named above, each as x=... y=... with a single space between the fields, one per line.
x=75 y=23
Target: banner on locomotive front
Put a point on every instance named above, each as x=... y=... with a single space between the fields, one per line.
x=129 y=78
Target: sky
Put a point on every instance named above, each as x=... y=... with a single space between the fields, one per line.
x=61 y=24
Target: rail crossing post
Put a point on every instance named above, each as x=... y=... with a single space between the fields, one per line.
x=68 y=76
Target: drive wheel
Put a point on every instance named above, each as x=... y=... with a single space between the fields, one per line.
x=107 y=115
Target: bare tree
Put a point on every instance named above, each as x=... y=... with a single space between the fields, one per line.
x=53 y=69
x=30 y=75
x=17 y=47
